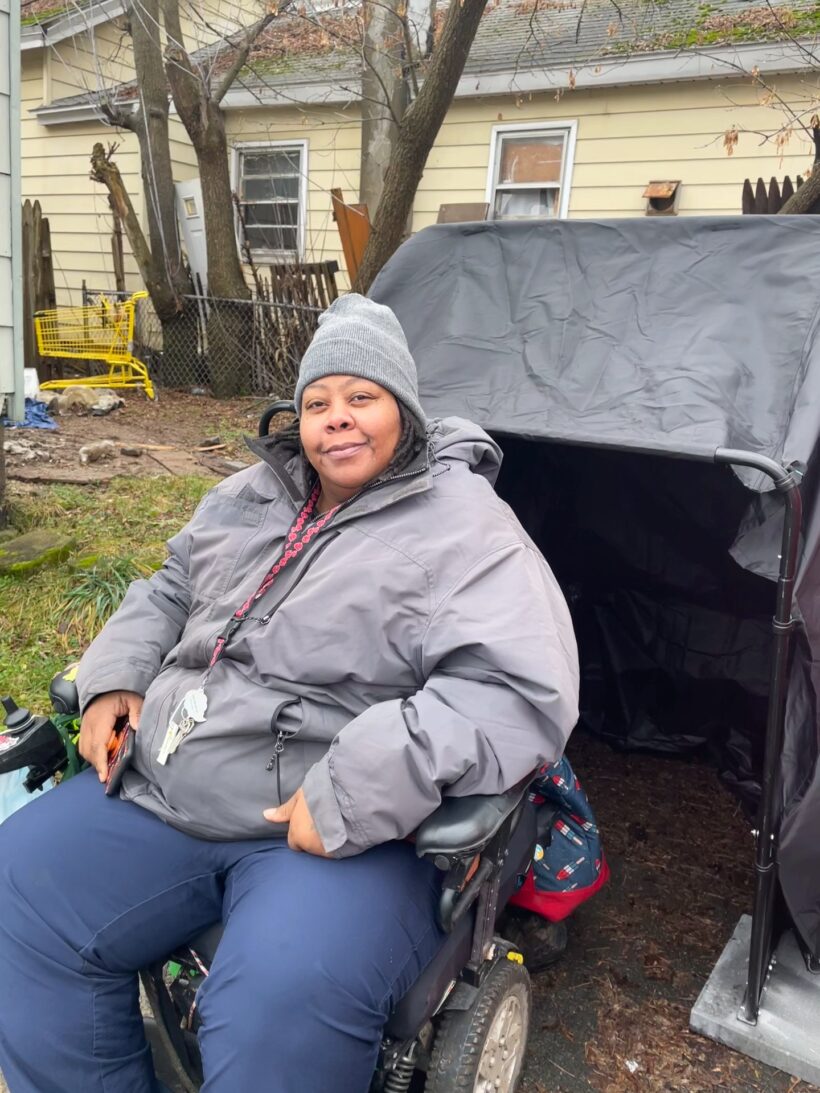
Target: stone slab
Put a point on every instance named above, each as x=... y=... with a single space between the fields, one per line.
x=31 y=551
x=176 y=462
x=786 y=1034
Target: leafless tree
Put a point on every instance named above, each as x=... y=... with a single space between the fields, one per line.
x=159 y=256
x=416 y=134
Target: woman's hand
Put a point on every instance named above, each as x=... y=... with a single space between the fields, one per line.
x=98 y=723
x=302 y=833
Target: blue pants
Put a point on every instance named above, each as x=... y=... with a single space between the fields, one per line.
x=315 y=952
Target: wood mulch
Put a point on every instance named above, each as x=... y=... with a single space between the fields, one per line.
x=613 y=1016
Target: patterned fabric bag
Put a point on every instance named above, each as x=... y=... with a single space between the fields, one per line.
x=569 y=865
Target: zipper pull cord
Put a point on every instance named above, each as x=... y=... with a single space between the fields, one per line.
x=278 y=748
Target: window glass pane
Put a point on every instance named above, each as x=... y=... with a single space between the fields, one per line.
x=280 y=239
x=287 y=215
x=270 y=189
x=280 y=161
x=522 y=204
x=530 y=159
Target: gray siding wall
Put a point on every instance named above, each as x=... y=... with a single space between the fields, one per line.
x=11 y=365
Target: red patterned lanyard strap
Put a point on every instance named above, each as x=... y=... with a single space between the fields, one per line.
x=297 y=539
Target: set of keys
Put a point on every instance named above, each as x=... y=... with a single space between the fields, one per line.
x=189 y=712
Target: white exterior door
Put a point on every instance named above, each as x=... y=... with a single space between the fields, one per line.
x=191 y=225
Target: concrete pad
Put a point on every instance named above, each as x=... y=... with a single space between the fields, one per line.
x=786 y=1034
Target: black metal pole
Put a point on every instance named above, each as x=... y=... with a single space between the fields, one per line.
x=760 y=947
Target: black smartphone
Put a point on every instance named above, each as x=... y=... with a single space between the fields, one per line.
x=119 y=759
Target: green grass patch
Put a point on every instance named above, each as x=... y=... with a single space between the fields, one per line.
x=48 y=617
x=43 y=16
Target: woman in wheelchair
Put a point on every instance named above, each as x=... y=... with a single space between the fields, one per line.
x=342 y=634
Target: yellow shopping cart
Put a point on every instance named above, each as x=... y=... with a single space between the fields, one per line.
x=102 y=332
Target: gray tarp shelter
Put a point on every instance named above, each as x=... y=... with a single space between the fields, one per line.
x=595 y=351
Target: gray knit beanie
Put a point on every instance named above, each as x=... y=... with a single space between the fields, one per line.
x=358 y=337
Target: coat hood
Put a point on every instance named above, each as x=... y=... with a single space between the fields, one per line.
x=454 y=439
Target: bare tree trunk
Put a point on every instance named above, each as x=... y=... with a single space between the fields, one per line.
x=230 y=326
x=178 y=323
x=225 y=276
x=230 y=320
x=150 y=124
x=105 y=171
x=385 y=94
x=160 y=260
x=807 y=196
x=200 y=112
x=419 y=130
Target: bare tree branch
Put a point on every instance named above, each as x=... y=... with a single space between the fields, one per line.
x=240 y=57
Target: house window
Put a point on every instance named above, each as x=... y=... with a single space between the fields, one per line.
x=272 y=197
x=529 y=171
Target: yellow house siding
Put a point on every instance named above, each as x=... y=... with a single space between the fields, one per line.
x=625 y=138
x=96 y=58
x=56 y=172
x=183 y=156
x=31 y=80
x=333 y=138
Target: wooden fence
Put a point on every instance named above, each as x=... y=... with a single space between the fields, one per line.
x=38 y=286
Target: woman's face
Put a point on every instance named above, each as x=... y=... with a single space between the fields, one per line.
x=350 y=428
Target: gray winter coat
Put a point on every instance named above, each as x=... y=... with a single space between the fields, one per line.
x=420 y=645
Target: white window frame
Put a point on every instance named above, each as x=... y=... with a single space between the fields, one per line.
x=567 y=129
x=267 y=146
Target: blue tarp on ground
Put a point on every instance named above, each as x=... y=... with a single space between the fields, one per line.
x=36 y=417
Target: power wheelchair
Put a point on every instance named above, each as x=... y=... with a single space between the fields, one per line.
x=464 y=1024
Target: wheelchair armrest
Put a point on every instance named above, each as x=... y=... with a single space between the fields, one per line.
x=463 y=826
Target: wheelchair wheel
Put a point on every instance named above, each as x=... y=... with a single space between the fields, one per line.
x=481 y=1050
x=543 y=943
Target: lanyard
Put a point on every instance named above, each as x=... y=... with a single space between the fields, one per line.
x=296 y=540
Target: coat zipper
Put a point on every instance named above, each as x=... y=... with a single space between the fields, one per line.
x=275 y=761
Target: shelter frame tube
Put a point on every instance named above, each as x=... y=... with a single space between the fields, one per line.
x=783 y=624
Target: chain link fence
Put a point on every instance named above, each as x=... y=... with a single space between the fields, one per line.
x=225 y=347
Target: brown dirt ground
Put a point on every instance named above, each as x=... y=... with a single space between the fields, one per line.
x=678 y=846
x=177 y=420
x=681 y=857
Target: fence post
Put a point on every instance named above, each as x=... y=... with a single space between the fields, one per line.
x=38 y=284
x=761 y=197
x=29 y=343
